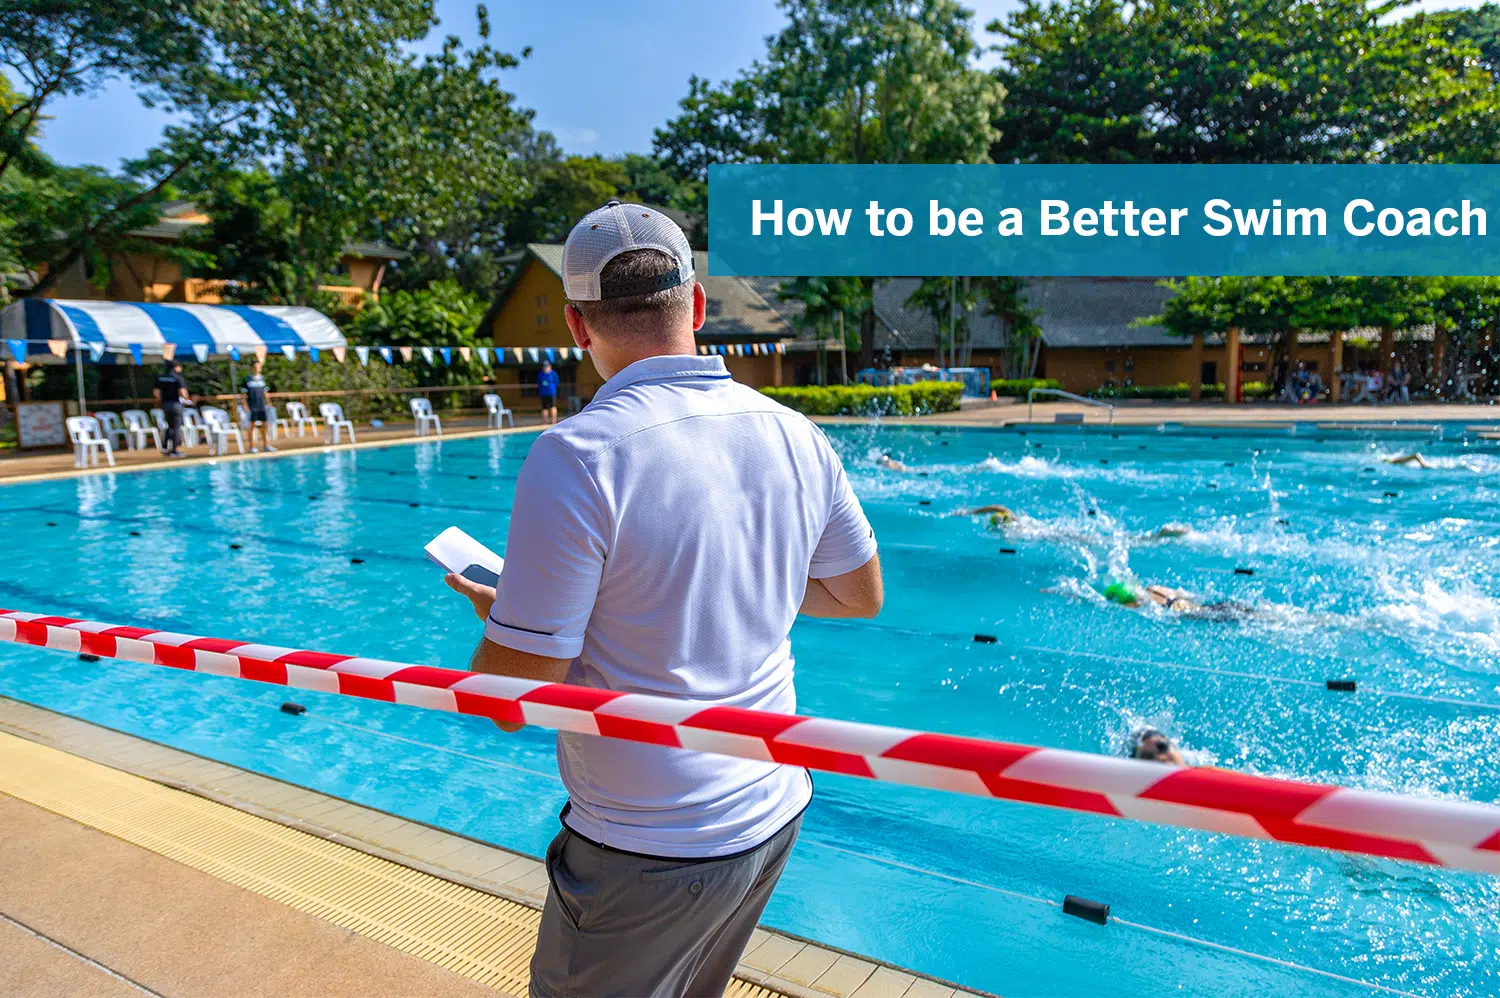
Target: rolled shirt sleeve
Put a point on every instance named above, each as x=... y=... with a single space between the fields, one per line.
x=554 y=555
x=848 y=540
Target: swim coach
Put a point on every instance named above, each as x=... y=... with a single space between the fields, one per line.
x=662 y=541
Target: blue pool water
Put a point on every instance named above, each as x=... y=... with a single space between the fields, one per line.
x=1362 y=570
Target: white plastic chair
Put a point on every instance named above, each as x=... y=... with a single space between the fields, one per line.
x=276 y=421
x=495 y=412
x=220 y=428
x=139 y=427
x=110 y=428
x=243 y=414
x=421 y=411
x=297 y=414
x=88 y=441
x=159 y=417
x=333 y=418
x=193 y=426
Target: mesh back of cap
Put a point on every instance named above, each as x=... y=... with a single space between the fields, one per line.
x=618 y=228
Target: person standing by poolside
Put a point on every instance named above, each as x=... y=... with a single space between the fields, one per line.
x=259 y=407
x=546 y=387
x=171 y=393
x=663 y=541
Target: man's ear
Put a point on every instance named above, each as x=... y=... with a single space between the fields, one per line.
x=700 y=307
x=576 y=327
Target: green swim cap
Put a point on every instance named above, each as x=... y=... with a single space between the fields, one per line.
x=1119 y=592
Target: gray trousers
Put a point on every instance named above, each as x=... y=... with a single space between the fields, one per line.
x=616 y=924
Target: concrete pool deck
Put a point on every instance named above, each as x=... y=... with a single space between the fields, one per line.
x=131 y=868
x=40 y=465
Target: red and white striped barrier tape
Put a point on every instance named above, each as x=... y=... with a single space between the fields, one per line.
x=1458 y=834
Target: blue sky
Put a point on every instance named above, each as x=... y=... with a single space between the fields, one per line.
x=602 y=74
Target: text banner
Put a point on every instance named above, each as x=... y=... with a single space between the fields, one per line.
x=1103 y=221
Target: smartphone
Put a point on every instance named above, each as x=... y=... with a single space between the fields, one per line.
x=461 y=554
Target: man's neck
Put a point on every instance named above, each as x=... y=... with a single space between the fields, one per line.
x=622 y=358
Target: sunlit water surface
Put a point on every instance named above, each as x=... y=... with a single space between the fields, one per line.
x=1361 y=570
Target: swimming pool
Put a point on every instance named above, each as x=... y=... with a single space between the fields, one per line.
x=1362 y=570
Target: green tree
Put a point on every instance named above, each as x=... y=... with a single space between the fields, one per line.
x=65 y=48
x=1005 y=299
x=845 y=81
x=356 y=130
x=950 y=302
x=828 y=304
x=1232 y=81
x=442 y=315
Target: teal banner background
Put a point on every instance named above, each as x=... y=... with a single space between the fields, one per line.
x=735 y=250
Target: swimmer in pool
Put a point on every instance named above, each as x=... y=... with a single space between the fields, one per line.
x=1150 y=745
x=999 y=515
x=1176 y=600
x=1170 y=531
x=891 y=464
x=1413 y=458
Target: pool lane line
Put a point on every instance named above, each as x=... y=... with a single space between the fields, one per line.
x=290 y=493
x=314 y=716
x=266 y=538
x=1113 y=919
x=1179 y=666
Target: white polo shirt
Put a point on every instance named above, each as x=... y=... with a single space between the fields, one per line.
x=663 y=539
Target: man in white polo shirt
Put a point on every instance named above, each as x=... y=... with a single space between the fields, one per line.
x=663 y=541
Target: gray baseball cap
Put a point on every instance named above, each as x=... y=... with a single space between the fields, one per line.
x=604 y=234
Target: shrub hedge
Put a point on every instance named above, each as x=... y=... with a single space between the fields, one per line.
x=1252 y=390
x=869 y=400
x=1018 y=387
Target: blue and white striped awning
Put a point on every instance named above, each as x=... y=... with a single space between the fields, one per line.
x=108 y=330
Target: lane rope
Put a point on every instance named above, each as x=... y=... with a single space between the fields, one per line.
x=1451 y=833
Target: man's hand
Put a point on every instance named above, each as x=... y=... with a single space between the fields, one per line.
x=483 y=597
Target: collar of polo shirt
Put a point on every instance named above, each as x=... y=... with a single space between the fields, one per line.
x=662 y=368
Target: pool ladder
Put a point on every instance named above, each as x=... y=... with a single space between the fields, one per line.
x=1031 y=397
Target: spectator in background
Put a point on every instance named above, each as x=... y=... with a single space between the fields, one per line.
x=546 y=387
x=1400 y=384
x=1374 y=384
x=256 y=403
x=171 y=395
x=1360 y=382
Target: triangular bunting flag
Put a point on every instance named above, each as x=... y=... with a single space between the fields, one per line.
x=550 y=354
x=261 y=352
x=536 y=355
x=427 y=354
x=464 y=352
x=18 y=350
x=385 y=354
x=484 y=356
x=168 y=351
x=234 y=353
x=135 y=353
x=405 y=353
x=96 y=350
x=578 y=353
x=59 y=348
x=313 y=353
x=519 y=355
x=200 y=351
x=339 y=353
x=447 y=355
x=289 y=351
x=363 y=353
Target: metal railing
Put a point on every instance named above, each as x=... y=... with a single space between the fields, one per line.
x=1031 y=396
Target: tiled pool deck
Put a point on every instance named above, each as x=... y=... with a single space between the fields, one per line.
x=466 y=908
